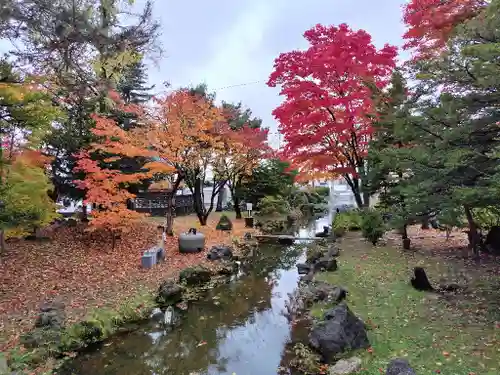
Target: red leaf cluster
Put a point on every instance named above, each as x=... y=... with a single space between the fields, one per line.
x=326 y=117
x=430 y=23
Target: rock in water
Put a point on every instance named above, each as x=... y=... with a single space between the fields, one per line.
x=420 y=280
x=195 y=276
x=399 y=366
x=345 y=366
x=220 y=252
x=303 y=268
x=169 y=293
x=340 y=331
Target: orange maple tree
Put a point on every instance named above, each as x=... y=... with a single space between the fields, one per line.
x=106 y=188
x=431 y=23
x=184 y=134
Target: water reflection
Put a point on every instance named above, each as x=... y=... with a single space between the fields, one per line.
x=239 y=328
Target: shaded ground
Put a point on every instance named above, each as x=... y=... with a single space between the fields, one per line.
x=451 y=334
x=87 y=273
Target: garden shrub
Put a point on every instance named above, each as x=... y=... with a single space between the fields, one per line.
x=346 y=221
x=372 y=225
x=323 y=191
x=273 y=206
x=224 y=223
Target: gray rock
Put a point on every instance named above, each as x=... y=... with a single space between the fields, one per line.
x=195 y=276
x=220 y=252
x=333 y=252
x=326 y=264
x=346 y=366
x=52 y=315
x=399 y=366
x=169 y=293
x=340 y=331
x=303 y=268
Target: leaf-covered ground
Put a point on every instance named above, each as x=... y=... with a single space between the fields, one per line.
x=87 y=273
x=452 y=334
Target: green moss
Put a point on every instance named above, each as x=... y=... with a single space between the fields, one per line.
x=99 y=325
x=434 y=335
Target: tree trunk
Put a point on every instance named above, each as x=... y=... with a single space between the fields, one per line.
x=169 y=217
x=199 y=205
x=474 y=238
x=404 y=233
x=425 y=222
x=220 y=198
x=169 y=214
x=2 y=242
x=237 y=208
x=84 y=218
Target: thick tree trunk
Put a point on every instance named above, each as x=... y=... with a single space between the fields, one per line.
x=220 y=198
x=425 y=222
x=199 y=205
x=474 y=238
x=2 y=242
x=237 y=208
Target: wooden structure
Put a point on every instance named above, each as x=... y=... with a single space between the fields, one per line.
x=155 y=201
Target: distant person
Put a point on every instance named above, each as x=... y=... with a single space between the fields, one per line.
x=338 y=211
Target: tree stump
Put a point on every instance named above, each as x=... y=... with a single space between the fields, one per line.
x=420 y=280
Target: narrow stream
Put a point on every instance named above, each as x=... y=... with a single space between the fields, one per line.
x=239 y=328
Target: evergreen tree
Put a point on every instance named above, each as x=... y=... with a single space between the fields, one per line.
x=452 y=127
x=132 y=84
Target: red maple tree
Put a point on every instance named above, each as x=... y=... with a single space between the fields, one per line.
x=326 y=117
x=430 y=23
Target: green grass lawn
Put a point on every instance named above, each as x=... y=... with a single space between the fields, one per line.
x=453 y=335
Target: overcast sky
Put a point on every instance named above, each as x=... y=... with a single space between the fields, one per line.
x=234 y=42
x=227 y=42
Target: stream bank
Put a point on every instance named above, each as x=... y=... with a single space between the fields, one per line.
x=238 y=327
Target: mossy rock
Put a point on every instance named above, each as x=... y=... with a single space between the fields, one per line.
x=42 y=337
x=169 y=293
x=224 y=224
x=195 y=276
x=315 y=253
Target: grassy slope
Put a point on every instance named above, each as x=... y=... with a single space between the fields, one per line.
x=457 y=336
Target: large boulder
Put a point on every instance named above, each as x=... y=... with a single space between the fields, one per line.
x=52 y=315
x=399 y=366
x=333 y=252
x=195 y=276
x=169 y=293
x=219 y=252
x=304 y=268
x=339 y=332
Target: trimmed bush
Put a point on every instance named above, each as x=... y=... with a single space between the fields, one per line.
x=372 y=225
x=224 y=223
x=346 y=221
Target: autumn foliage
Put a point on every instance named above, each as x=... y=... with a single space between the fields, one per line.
x=430 y=23
x=178 y=139
x=244 y=149
x=326 y=117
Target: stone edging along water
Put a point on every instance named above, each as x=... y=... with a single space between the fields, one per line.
x=52 y=339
